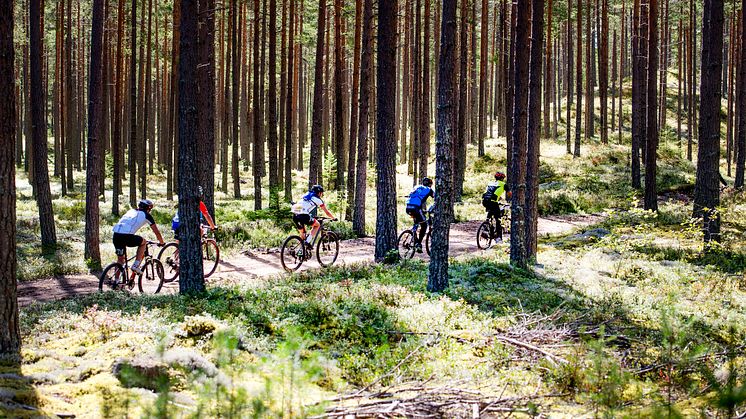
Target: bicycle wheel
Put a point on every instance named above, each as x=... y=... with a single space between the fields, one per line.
x=484 y=235
x=327 y=249
x=406 y=244
x=113 y=278
x=169 y=257
x=151 y=279
x=427 y=241
x=210 y=257
x=292 y=253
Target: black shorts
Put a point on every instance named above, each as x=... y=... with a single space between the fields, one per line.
x=417 y=214
x=302 y=220
x=493 y=208
x=123 y=241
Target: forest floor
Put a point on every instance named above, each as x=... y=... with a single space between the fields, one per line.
x=242 y=267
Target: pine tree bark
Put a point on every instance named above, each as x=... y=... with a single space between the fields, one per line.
x=133 y=144
x=95 y=126
x=638 y=94
x=459 y=141
x=603 y=69
x=116 y=140
x=385 y=126
x=274 y=198
x=354 y=117
x=258 y=120
x=236 y=79
x=39 y=130
x=437 y=280
x=366 y=67
x=534 y=129
x=548 y=76
x=651 y=143
x=740 y=143
x=568 y=71
x=206 y=109
x=339 y=105
x=578 y=77
x=424 y=107
x=317 y=123
x=706 y=188
x=10 y=334
x=191 y=279
x=483 y=76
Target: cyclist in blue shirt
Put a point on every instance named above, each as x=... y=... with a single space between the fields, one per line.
x=416 y=204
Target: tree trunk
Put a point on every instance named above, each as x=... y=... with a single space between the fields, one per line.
x=191 y=279
x=116 y=140
x=339 y=133
x=206 y=109
x=289 y=96
x=740 y=144
x=534 y=129
x=603 y=70
x=651 y=143
x=483 y=76
x=317 y=123
x=385 y=126
x=549 y=71
x=706 y=189
x=366 y=66
x=95 y=126
x=459 y=140
x=258 y=120
x=236 y=79
x=133 y=144
x=424 y=107
x=579 y=77
x=568 y=71
x=39 y=130
x=274 y=198
x=437 y=280
x=354 y=117
x=638 y=94
x=10 y=334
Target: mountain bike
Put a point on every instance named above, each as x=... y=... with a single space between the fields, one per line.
x=120 y=277
x=491 y=230
x=169 y=256
x=295 y=250
x=407 y=242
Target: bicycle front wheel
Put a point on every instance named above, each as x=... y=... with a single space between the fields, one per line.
x=113 y=278
x=210 y=257
x=406 y=244
x=151 y=279
x=327 y=249
x=484 y=235
x=292 y=253
x=169 y=257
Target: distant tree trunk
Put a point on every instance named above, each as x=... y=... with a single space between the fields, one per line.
x=133 y=144
x=354 y=121
x=437 y=279
x=548 y=77
x=366 y=66
x=191 y=279
x=225 y=128
x=206 y=109
x=258 y=120
x=690 y=96
x=534 y=132
x=317 y=123
x=274 y=197
x=39 y=129
x=651 y=143
x=10 y=334
x=579 y=78
x=706 y=189
x=289 y=102
x=95 y=122
x=339 y=133
x=589 y=76
x=71 y=100
x=740 y=144
x=679 y=76
x=603 y=69
x=638 y=94
x=459 y=140
x=424 y=107
x=118 y=107
x=236 y=79
x=385 y=126
x=568 y=71
x=145 y=110
x=614 y=90
x=483 y=76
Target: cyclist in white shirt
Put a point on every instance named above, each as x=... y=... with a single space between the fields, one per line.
x=128 y=225
x=305 y=211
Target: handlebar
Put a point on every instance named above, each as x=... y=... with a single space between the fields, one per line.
x=152 y=243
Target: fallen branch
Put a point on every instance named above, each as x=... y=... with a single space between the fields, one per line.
x=552 y=357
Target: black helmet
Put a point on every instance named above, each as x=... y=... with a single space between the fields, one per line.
x=427 y=181
x=145 y=205
x=499 y=176
x=317 y=189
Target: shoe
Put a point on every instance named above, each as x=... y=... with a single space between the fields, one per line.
x=137 y=270
x=418 y=247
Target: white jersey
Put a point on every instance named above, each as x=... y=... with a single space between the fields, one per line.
x=308 y=206
x=132 y=221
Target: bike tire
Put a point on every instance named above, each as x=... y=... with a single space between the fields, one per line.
x=427 y=241
x=327 y=249
x=292 y=253
x=406 y=244
x=484 y=235
x=151 y=279
x=169 y=257
x=210 y=257
x=112 y=278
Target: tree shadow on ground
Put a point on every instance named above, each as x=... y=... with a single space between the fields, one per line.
x=18 y=397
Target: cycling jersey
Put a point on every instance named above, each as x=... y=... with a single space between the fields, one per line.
x=132 y=221
x=419 y=195
x=175 y=220
x=494 y=191
x=309 y=204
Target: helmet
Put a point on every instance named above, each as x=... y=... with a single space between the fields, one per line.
x=200 y=192
x=427 y=181
x=499 y=176
x=316 y=189
x=145 y=205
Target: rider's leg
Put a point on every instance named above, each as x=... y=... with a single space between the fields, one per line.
x=423 y=231
x=314 y=230
x=302 y=232
x=140 y=253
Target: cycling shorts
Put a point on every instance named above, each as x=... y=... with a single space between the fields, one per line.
x=416 y=213
x=123 y=241
x=301 y=220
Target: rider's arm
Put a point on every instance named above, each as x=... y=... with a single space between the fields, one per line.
x=206 y=214
x=326 y=210
x=157 y=232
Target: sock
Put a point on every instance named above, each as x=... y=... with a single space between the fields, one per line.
x=136 y=263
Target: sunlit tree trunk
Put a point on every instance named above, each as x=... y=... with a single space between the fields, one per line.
x=366 y=64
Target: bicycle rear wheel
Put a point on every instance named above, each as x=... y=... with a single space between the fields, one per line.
x=210 y=257
x=113 y=278
x=151 y=279
x=406 y=244
x=484 y=235
x=169 y=257
x=327 y=249
x=292 y=253
x=427 y=241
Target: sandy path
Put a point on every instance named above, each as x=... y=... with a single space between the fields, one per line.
x=265 y=264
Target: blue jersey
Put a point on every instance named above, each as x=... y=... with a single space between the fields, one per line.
x=419 y=195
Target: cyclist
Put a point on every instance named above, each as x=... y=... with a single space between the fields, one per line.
x=416 y=204
x=305 y=212
x=128 y=225
x=204 y=214
x=492 y=195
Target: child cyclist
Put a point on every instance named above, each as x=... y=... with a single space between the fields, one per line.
x=306 y=210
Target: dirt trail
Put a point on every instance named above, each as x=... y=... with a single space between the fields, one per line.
x=250 y=264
